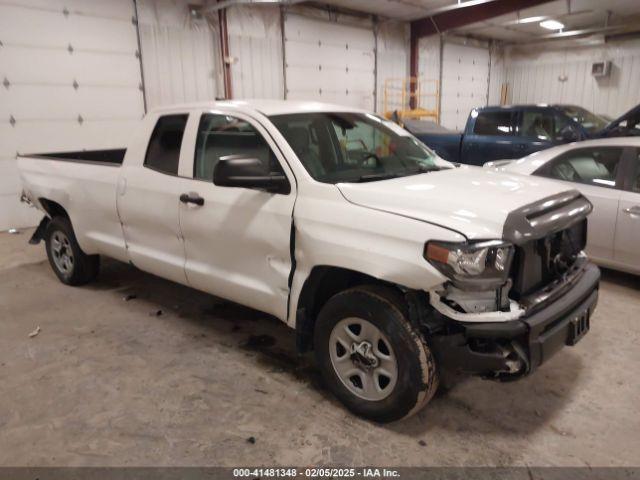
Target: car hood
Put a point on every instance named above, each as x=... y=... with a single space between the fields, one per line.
x=470 y=200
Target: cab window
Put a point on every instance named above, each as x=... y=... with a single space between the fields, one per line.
x=546 y=126
x=498 y=123
x=163 y=152
x=221 y=136
x=590 y=166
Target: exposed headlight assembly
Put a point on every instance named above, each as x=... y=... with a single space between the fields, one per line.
x=480 y=265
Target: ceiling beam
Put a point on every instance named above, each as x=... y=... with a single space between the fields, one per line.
x=624 y=28
x=465 y=13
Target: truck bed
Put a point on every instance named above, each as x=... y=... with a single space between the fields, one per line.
x=110 y=157
x=83 y=184
x=446 y=143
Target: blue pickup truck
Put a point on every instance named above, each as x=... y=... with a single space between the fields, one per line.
x=494 y=133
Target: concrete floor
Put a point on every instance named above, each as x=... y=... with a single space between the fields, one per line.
x=107 y=382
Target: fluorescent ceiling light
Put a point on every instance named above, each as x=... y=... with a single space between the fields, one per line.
x=531 y=19
x=552 y=25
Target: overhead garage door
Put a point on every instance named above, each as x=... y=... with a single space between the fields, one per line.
x=465 y=76
x=329 y=62
x=69 y=79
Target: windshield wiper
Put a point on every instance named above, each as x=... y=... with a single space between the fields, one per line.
x=372 y=177
x=421 y=169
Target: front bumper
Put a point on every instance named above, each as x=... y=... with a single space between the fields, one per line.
x=508 y=350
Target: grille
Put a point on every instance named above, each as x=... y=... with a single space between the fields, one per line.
x=539 y=262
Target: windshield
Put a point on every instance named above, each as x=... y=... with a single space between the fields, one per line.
x=589 y=121
x=353 y=147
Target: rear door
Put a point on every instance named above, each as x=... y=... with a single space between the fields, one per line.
x=237 y=241
x=597 y=173
x=627 y=242
x=148 y=201
x=491 y=137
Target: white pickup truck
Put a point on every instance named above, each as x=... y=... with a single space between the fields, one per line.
x=393 y=265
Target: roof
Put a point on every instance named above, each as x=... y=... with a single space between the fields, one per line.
x=267 y=107
x=521 y=106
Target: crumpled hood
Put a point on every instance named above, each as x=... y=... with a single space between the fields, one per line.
x=470 y=200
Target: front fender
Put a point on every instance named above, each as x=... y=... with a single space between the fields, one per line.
x=335 y=233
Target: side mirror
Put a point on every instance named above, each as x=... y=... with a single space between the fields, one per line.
x=236 y=171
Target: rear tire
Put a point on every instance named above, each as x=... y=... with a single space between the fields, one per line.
x=370 y=355
x=70 y=264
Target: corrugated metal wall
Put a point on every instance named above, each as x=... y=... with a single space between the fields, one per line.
x=497 y=74
x=564 y=76
x=255 y=48
x=180 y=54
x=392 y=49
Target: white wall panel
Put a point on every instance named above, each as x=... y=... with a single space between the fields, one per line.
x=564 y=76
x=255 y=46
x=393 y=60
x=329 y=61
x=63 y=60
x=429 y=57
x=180 y=55
x=465 y=76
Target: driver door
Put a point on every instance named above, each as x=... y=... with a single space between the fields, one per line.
x=237 y=240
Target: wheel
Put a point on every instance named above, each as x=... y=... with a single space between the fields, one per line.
x=371 y=357
x=68 y=261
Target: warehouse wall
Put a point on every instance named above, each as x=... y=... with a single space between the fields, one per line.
x=69 y=79
x=392 y=50
x=180 y=54
x=538 y=77
x=255 y=48
x=329 y=57
x=497 y=74
x=464 y=77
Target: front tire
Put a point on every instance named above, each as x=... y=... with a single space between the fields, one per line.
x=70 y=264
x=371 y=357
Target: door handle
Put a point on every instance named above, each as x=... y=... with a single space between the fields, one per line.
x=192 y=197
x=635 y=210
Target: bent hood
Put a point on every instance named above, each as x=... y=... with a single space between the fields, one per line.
x=470 y=200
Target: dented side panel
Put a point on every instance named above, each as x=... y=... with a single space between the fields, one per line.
x=333 y=232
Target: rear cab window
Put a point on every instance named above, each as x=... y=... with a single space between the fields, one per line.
x=163 y=151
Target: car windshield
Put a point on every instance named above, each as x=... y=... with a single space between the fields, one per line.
x=353 y=147
x=589 y=121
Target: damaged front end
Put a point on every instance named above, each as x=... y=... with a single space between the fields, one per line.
x=511 y=304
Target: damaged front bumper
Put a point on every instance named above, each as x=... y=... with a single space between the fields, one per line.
x=506 y=350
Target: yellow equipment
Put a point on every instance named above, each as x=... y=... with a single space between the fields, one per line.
x=400 y=93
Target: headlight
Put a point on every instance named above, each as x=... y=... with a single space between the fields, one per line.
x=481 y=265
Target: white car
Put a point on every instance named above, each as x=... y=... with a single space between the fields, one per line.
x=390 y=263
x=607 y=172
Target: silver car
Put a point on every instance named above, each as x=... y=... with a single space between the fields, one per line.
x=607 y=172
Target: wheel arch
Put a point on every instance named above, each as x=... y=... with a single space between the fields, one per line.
x=53 y=208
x=323 y=282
